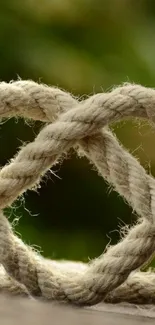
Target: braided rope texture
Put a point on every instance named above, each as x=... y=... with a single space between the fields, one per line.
x=114 y=276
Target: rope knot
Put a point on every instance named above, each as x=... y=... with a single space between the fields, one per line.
x=84 y=126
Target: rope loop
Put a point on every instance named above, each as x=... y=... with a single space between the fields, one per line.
x=115 y=275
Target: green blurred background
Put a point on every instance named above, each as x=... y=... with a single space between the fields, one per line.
x=83 y=46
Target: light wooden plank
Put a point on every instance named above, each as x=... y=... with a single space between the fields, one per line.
x=28 y=312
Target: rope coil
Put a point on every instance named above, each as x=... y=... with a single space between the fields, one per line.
x=115 y=275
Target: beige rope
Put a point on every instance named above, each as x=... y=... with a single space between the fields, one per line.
x=139 y=288
x=82 y=125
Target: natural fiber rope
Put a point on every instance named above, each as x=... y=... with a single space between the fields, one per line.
x=84 y=126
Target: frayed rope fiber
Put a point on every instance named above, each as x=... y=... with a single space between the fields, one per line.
x=115 y=276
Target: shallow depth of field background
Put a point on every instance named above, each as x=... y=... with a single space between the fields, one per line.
x=83 y=46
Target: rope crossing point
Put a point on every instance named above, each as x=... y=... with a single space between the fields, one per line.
x=114 y=276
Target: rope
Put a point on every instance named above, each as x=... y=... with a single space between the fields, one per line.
x=84 y=126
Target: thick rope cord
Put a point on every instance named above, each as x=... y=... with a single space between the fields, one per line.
x=78 y=126
x=77 y=123
x=121 y=170
x=139 y=288
x=87 y=287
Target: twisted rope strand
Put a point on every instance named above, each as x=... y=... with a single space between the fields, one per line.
x=85 y=287
x=78 y=126
x=37 y=157
x=40 y=102
x=121 y=170
x=139 y=288
x=8 y=285
x=31 y=100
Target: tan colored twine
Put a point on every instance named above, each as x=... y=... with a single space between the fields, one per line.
x=115 y=275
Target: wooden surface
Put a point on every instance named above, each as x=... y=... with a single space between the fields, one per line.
x=27 y=312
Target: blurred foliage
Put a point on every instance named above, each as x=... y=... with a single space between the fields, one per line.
x=83 y=46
